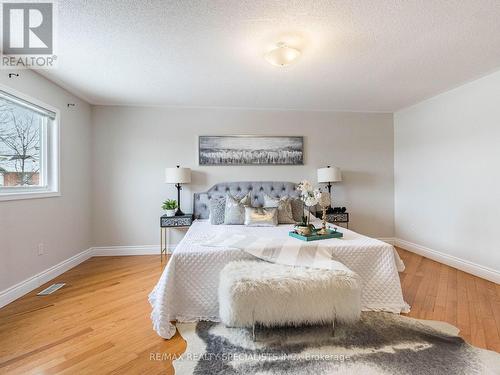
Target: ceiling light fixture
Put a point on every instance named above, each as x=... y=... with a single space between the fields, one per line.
x=282 y=55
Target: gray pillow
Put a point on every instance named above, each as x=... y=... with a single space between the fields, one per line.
x=297 y=209
x=234 y=210
x=261 y=217
x=217 y=208
x=284 y=205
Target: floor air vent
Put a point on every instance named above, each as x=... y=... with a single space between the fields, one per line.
x=51 y=289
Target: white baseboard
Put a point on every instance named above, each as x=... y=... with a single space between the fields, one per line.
x=20 y=289
x=450 y=260
x=127 y=250
x=389 y=240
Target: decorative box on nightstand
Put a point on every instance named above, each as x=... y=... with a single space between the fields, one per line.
x=338 y=218
x=176 y=221
x=168 y=222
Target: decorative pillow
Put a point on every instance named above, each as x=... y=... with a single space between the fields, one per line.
x=217 y=208
x=234 y=210
x=284 y=205
x=297 y=209
x=261 y=217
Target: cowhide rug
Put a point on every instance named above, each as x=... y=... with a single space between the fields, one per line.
x=380 y=343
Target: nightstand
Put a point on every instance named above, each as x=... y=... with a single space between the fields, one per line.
x=339 y=218
x=170 y=222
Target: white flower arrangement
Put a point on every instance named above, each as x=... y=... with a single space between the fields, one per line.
x=309 y=195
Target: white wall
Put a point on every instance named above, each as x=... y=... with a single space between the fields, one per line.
x=447 y=172
x=61 y=223
x=133 y=145
x=442 y=156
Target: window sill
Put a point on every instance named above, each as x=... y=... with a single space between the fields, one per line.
x=12 y=196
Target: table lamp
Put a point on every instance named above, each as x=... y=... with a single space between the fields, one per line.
x=329 y=175
x=178 y=176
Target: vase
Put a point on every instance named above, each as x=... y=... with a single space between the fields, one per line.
x=170 y=212
x=303 y=230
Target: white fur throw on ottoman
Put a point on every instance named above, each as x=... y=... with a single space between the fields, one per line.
x=276 y=295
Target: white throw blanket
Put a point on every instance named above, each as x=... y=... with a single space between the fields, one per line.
x=290 y=251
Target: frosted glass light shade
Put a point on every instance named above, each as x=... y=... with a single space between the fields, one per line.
x=329 y=174
x=282 y=55
x=177 y=175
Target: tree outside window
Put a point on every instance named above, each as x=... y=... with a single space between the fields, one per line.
x=20 y=145
x=28 y=148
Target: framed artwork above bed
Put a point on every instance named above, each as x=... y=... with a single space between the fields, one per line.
x=250 y=150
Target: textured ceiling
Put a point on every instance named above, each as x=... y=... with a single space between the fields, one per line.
x=358 y=55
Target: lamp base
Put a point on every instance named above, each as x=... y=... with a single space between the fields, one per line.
x=179 y=211
x=329 y=209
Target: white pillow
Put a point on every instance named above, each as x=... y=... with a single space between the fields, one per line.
x=234 y=212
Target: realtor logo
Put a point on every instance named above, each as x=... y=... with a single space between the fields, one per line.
x=28 y=35
x=27 y=29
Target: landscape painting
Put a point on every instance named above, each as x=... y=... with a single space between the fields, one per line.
x=251 y=150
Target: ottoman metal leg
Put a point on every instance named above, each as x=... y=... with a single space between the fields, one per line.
x=253 y=325
x=333 y=322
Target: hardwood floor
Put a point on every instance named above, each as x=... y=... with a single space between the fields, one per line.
x=99 y=322
x=438 y=292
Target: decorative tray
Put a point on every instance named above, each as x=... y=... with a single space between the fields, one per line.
x=315 y=237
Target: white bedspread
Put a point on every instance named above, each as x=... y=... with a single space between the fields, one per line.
x=187 y=289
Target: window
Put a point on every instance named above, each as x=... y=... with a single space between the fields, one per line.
x=28 y=148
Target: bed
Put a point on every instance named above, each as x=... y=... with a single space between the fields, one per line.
x=187 y=289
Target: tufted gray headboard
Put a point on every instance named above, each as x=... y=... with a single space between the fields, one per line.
x=257 y=188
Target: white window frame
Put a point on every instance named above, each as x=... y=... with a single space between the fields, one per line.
x=50 y=157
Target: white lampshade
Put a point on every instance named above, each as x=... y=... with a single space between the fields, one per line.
x=329 y=174
x=177 y=175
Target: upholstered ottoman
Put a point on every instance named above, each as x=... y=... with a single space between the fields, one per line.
x=272 y=294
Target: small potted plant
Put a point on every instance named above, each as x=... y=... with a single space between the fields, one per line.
x=309 y=197
x=169 y=206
